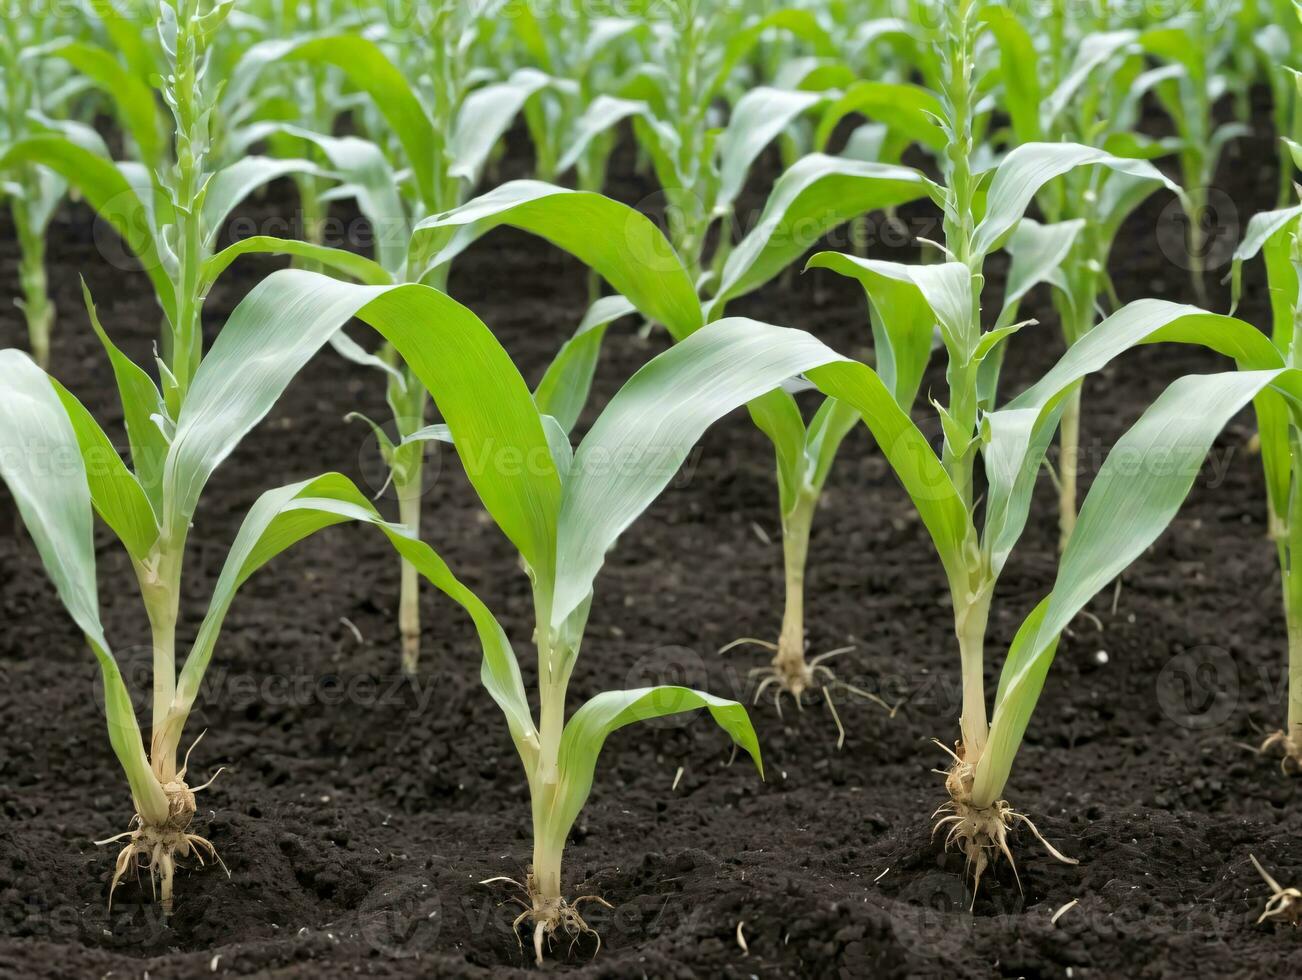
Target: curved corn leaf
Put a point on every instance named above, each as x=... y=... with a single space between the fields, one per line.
x=231 y=185
x=485 y=115
x=757 y=119
x=622 y=245
x=1030 y=166
x=1270 y=232
x=292 y=313
x=645 y=433
x=143 y=412
x=41 y=463
x=132 y=96
x=1019 y=67
x=280 y=519
x=910 y=302
x=369 y=178
x=1037 y=251
x=815 y=195
x=588 y=728
x=366 y=67
x=602 y=114
x=1017 y=436
x=346 y=263
x=907 y=109
x=1128 y=506
x=107 y=189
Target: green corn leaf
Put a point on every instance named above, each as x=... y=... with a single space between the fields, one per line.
x=910 y=110
x=645 y=433
x=292 y=313
x=802 y=24
x=622 y=245
x=1032 y=165
x=109 y=192
x=1095 y=51
x=368 y=177
x=909 y=302
x=757 y=119
x=231 y=185
x=777 y=415
x=485 y=115
x=1271 y=228
x=604 y=113
x=115 y=492
x=827 y=430
x=356 y=267
x=130 y=94
x=1016 y=437
x=588 y=728
x=41 y=463
x=366 y=67
x=143 y=412
x=815 y=195
x=1019 y=71
x=280 y=519
x=563 y=390
x=1127 y=508
x=1037 y=251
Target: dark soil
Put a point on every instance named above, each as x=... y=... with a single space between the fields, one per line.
x=357 y=812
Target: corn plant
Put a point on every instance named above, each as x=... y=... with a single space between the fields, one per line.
x=59 y=464
x=33 y=192
x=1277 y=237
x=169 y=212
x=444 y=133
x=1122 y=513
x=1196 y=51
x=563 y=510
x=1276 y=43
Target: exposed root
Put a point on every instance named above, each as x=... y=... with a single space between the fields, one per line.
x=1290 y=749
x=550 y=915
x=1284 y=904
x=981 y=833
x=794 y=676
x=156 y=847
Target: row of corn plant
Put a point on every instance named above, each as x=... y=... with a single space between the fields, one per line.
x=431 y=141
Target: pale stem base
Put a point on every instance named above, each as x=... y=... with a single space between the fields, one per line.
x=409 y=513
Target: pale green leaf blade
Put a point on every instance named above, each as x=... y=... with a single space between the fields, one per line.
x=587 y=730
x=1030 y=166
x=815 y=195
x=485 y=116
x=621 y=244
x=1137 y=493
x=356 y=267
x=109 y=192
x=41 y=463
x=283 y=517
x=757 y=119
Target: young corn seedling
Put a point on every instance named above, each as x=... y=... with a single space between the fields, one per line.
x=1277 y=236
x=563 y=510
x=701 y=166
x=151 y=506
x=168 y=212
x=33 y=192
x=818 y=193
x=445 y=129
x=974 y=529
x=1196 y=48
